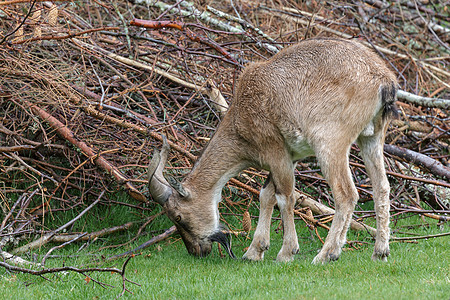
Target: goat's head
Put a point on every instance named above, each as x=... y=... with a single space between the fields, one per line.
x=197 y=223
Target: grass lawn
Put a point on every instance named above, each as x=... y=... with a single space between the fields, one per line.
x=166 y=271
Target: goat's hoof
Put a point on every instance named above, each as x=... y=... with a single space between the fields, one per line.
x=379 y=255
x=256 y=253
x=287 y=256
x=321 y=259
x=253 y=255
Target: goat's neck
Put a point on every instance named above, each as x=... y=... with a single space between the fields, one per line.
x=221 y=160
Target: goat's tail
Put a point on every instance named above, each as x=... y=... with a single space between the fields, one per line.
x=388 y=93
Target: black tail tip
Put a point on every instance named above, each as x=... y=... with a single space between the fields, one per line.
x=388 y=97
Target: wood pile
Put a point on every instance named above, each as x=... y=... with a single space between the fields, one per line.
x=88 y=88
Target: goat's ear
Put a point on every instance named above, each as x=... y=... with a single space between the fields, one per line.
x=177 y=186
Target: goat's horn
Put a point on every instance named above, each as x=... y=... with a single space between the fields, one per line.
x=157 y=184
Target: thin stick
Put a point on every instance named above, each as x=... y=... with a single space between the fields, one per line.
x=30 y=10
x=150 y=242
x=48 y=237
x=63 y=37
x=61 y=246
x=89 y=236
x=412 y=238
x=423 y=101
x=82 y=271
x=434 y=182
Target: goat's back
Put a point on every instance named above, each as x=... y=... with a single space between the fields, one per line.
x=314 y=89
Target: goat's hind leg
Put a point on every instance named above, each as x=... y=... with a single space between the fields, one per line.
x=335 y=167
x=261 y=239
x=372 y=153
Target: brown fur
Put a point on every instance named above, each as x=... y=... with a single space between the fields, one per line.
x=314 y=98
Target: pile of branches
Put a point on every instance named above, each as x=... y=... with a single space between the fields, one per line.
x=88 y=88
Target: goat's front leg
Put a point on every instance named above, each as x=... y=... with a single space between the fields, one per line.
x=261 y=239
x=290 y=240
x=283 y=177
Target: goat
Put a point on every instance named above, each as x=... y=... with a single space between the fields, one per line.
x=314 y=98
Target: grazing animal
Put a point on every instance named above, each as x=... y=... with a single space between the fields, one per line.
x=314 y=98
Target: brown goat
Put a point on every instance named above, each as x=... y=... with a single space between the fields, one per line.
x=314 y=98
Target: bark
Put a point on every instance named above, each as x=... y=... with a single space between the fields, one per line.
x=423 y=101
x=419 y=159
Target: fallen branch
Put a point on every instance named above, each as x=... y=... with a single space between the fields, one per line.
x=423 y=101
x=411 y=126
x=405 y=208
x=422 y=160
x=192 y=12
x=245 y=24
x=213 y=93
x=16 y=260
x=310 y=219
x=61 y=246
x=16 y=148
x=150 y=242
x=205 y=16
x=82 y=271
x=62 y=37
x=190 y=34
x=413 y=238
x=412 y=178
x=99 y=160
x=26 y=1
x=138 y=234
x=90 y=236
x=321 y=209
x=48 y=237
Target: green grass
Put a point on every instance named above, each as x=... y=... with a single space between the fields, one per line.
x=166 y=271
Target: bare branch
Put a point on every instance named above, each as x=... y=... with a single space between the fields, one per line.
x=48 y=237
x=419 y=159
x=423 y=101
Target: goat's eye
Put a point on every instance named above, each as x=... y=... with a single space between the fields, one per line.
x=178 y=218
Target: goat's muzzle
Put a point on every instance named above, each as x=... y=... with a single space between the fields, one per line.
x=203 y=247
x=195 y=246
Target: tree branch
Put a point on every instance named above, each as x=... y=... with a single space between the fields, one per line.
x=48 y=237
x=99 y=160
x=422 y=160
x=423 y=101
